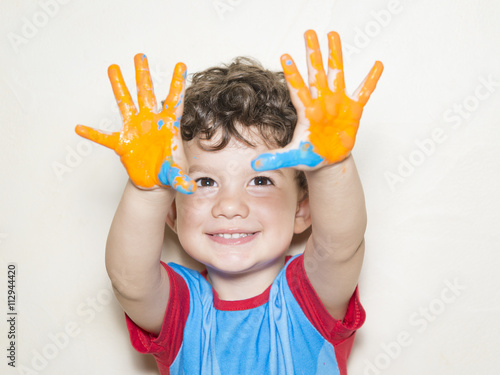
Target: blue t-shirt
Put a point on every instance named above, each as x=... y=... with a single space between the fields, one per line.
x=285 y=330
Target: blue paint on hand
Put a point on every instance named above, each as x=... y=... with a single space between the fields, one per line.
x=288 y=62
x=169 y=175
x=304 y=155
x=160 y=124
x=176 y=123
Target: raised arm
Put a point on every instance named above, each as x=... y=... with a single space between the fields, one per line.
x=328 y=121
x=147 y=145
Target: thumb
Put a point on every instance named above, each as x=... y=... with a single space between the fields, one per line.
x=287 y=157
x=171 y=174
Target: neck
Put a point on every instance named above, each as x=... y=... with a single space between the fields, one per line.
x=240 y=286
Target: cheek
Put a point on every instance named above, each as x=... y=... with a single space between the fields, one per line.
x=189 y=219
x=275 y=208
x=191 y=206
x=191 y=212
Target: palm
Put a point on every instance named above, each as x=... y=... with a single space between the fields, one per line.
x=144 y=146
x=333 y=124
x=149 y=138
x=328 y=119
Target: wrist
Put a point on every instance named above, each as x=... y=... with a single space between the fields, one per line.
x=159 y=186
x=337 y=167
x=156 y=195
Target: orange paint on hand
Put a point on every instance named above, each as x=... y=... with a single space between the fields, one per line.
x=146 y=139
x=185 y=185
x=295 y=80
x=332 y=115
x=333 y=132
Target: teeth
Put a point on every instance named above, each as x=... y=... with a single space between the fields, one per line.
x=232 y=235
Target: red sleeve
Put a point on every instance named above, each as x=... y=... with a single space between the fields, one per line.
x=166 y=345
x=337 y=332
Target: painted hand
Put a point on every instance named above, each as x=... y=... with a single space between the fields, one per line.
x=328 y=118
x=149 y=139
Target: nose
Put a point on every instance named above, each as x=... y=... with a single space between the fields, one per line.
x=230 y=204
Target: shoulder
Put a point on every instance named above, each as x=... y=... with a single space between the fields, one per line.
x=194 y=281
x=311 y=306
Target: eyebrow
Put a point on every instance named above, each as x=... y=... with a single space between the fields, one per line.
x=278 y=171
x=202 y=169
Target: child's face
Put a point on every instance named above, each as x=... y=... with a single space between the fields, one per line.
x=238 y=220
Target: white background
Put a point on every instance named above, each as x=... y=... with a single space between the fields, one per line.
x=433 y=209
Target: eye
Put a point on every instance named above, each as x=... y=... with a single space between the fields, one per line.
x=205 y=182
x=261 y=181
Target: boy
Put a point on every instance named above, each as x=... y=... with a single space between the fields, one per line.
x=258 y=173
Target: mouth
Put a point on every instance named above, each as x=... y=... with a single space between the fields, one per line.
x=232 y=237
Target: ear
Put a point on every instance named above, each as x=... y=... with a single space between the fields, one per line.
x=171 y=219
x=302 y=216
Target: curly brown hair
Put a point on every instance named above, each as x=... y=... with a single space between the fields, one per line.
x=236 y=96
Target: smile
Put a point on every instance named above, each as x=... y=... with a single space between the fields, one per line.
x=231 y=239
x=232 y=235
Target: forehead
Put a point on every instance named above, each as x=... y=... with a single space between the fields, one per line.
x=234 y=159
x=200 y=152
x=234 y=146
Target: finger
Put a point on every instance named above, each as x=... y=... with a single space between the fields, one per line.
x=171 y=175
x=365 y=89
x=122 y=95
x=176 y=94
x=317 y=77
x=335 y=63
x=299 y=93
x=303 y=155
x=179 y=106
x=109 y=140
x=145 y=93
